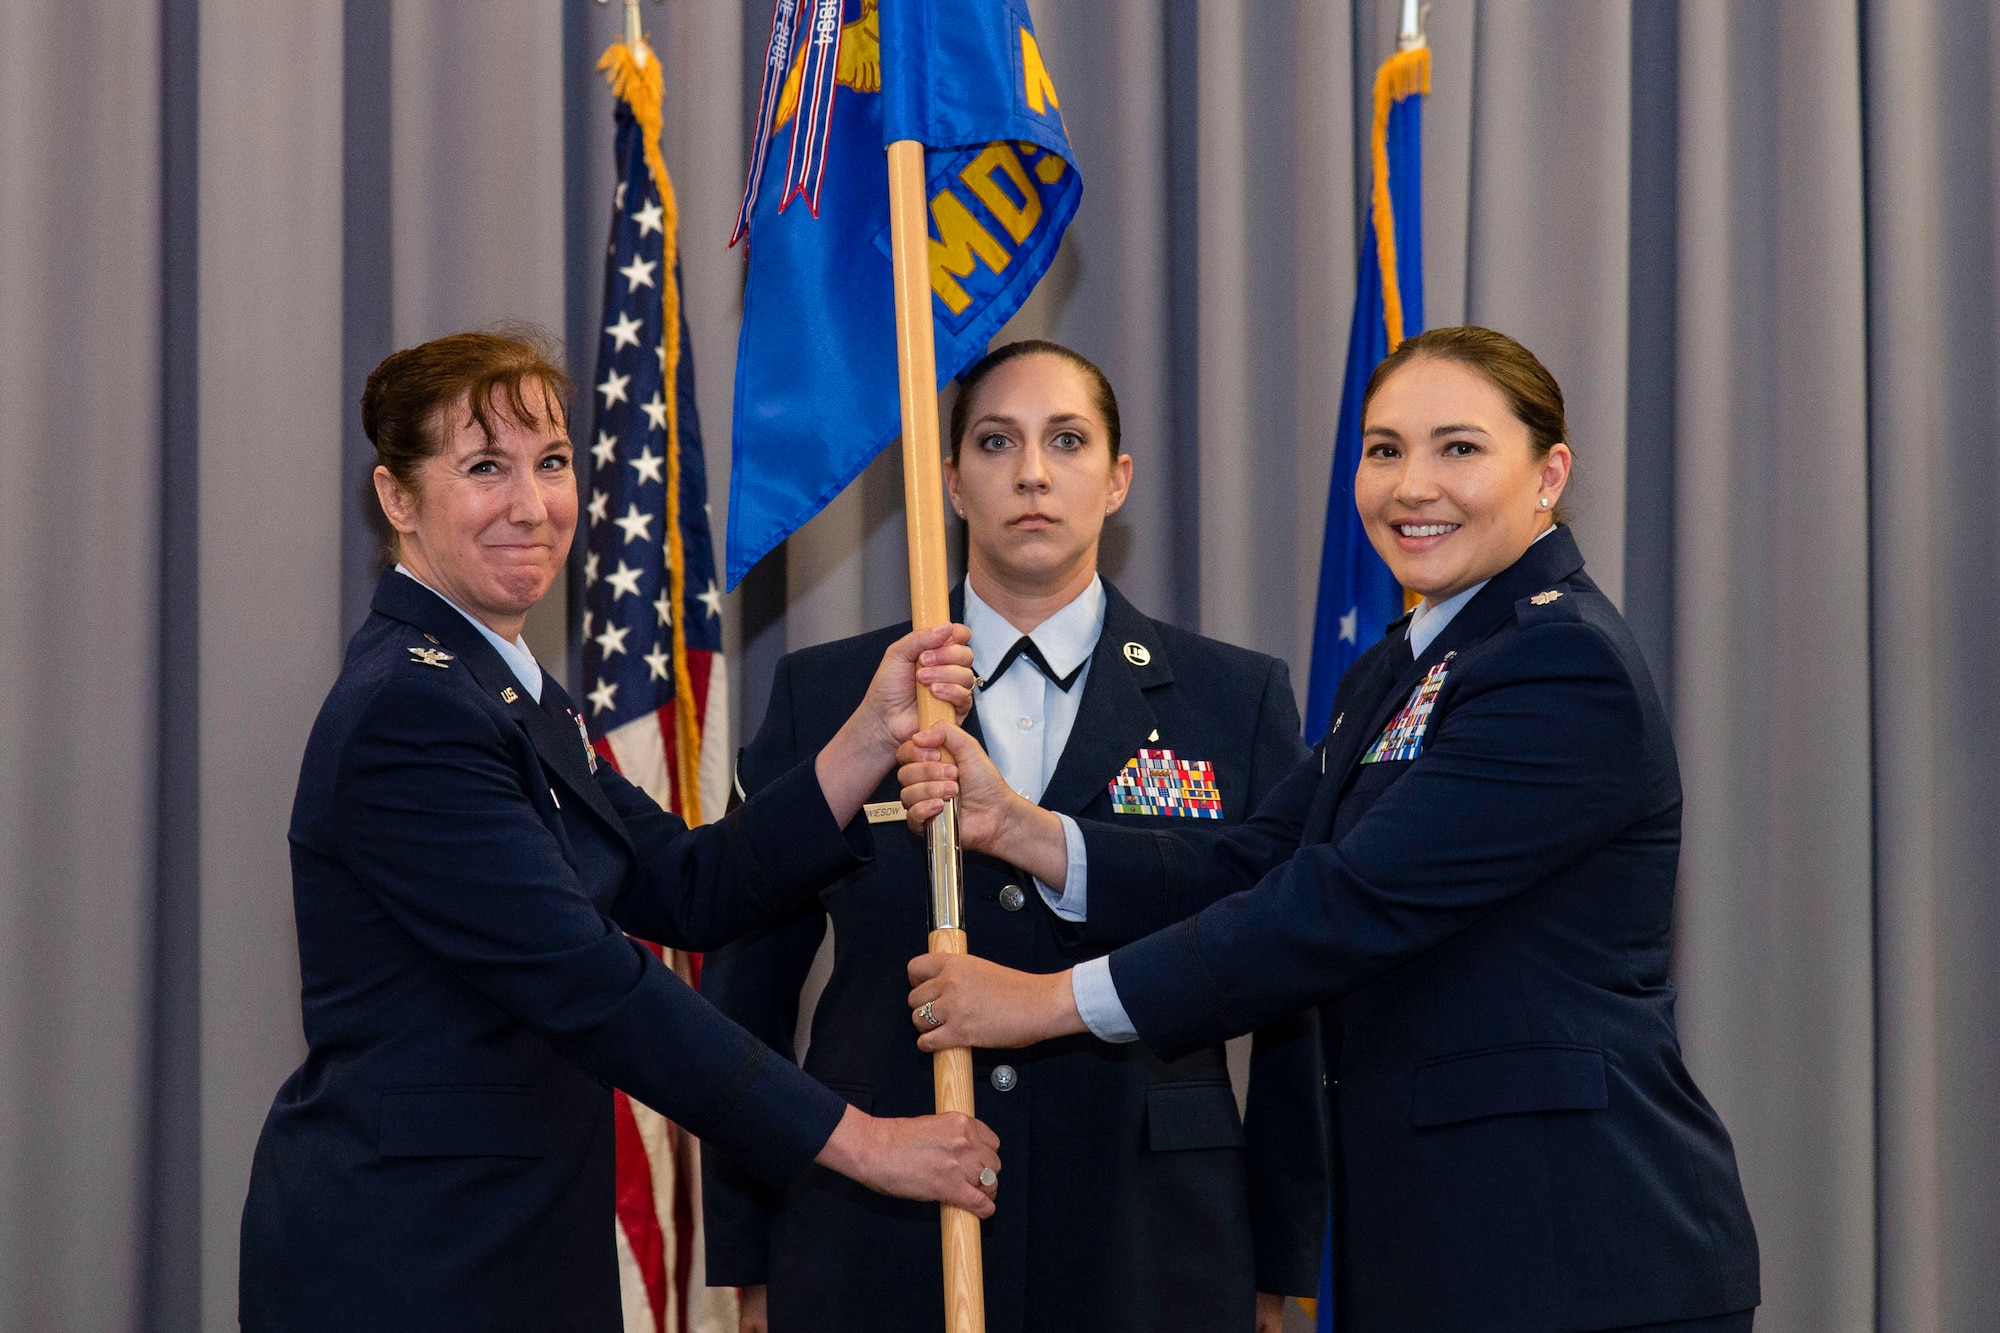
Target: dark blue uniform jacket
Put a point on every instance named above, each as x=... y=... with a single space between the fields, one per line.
x=1133 y=1196
x=1517 y=1143
x=462 y=882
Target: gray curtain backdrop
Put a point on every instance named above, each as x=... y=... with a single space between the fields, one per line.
x=1757 y=244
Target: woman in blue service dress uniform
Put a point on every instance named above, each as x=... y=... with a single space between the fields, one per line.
x=464 y=871
x=1136 y=1197
x=1473 y=874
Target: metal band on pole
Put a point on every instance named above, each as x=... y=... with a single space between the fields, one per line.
x=930 y=605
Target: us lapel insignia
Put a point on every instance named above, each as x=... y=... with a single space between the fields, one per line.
x=1138 y=654
x=589 y=751
x=507 y=694
x=1403 y=738
x=1153 y=782
x=1544 y=598
x=436 y=657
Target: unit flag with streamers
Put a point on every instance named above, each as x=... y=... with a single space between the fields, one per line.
x=816 y=386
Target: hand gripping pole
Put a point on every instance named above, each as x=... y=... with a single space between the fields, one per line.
x=930 y=605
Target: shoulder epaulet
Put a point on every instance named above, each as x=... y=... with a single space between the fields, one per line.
x=430 y=654
x=1549 y=604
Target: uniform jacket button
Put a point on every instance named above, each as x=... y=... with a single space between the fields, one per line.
x=1004 y=1078
x=1012 y=898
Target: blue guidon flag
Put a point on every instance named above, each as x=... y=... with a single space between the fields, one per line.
x=816 y=388
x=1357 y=594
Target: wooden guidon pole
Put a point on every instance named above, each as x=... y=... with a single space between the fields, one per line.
x=930 y=604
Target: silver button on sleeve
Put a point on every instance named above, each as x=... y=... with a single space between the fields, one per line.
x=1012 y=898
x=1004 y=1078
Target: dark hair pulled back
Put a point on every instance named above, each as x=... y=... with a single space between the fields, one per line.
x=1532 y=394
x=975 y=375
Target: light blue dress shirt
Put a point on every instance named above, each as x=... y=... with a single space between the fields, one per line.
x=1026 y=718
x=1097 y=1002
x=516 y=655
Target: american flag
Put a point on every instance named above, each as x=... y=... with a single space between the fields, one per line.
x=655 y=694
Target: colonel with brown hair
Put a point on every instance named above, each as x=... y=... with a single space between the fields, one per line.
x=464 y=872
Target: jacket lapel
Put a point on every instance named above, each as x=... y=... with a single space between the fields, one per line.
x=1360 y=719
x=1113 y=719
x=560 y=750
x=1549 y=561
x=554 y=727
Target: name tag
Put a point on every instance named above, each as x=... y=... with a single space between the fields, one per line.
x=885 y=812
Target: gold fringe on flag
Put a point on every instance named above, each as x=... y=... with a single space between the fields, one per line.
x=1405 y=74
x=635 y=78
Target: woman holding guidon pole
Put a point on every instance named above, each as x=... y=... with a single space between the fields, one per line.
x=1473 y=875
x=1137 y=1197
x=464 y=870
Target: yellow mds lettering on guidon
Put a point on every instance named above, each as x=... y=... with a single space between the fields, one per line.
x=961 y=240
x=1019 y=219
x=1039 y=88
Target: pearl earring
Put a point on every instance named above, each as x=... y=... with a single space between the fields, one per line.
x=1545 y=502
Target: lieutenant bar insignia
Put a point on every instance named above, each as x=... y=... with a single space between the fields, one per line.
x=1153 y=782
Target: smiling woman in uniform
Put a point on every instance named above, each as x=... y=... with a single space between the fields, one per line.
x=463 y=872
x=1136 y=1197
x=1473 y=874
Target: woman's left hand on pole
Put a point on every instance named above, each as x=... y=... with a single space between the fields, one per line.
x=950 y=1158
x=860 y=754
x=960 y=1000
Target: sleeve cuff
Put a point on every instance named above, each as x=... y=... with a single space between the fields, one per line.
x=778 y=1123
x=794 y=837
x=1097 y=1002
x=1073 y=902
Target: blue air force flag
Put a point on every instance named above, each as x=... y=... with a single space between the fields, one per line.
x=816 y=389
x=1357 y=594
